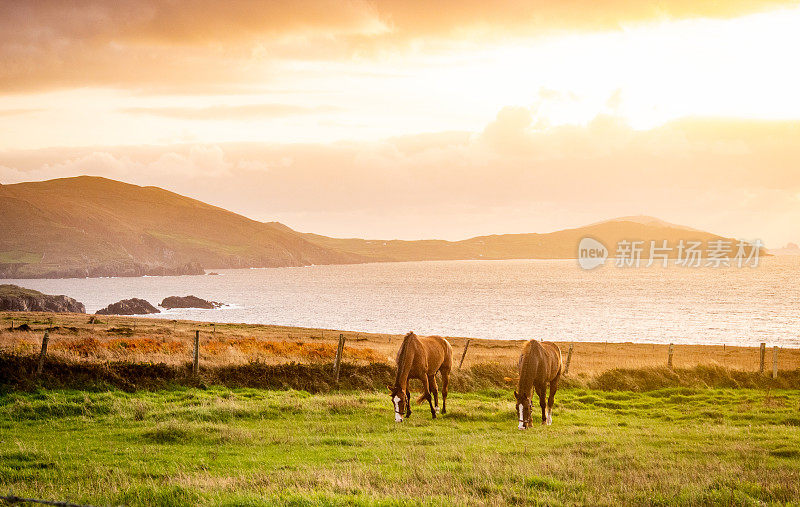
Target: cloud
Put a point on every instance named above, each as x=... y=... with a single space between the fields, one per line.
x=243 y=112
x=736 y=177
x=205 y=44
x=141 y=164
x=510 y=129
x=18 y=112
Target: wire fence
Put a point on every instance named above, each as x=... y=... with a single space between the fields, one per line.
x=210 y=344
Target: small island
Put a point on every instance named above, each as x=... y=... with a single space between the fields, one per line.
x=134 y=306
x=188 y=302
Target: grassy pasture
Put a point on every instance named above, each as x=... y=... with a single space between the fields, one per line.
x=118 y=418
x=250 y=446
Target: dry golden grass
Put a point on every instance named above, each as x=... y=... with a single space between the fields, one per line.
x=166 y=341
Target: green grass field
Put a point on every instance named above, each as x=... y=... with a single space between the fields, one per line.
x=248 y=446
x=17 y=256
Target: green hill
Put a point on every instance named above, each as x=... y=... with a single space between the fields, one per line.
x=89 y=226
x=555 y=245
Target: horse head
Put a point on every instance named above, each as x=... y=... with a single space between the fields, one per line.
x=523 y=411
x=399 y=401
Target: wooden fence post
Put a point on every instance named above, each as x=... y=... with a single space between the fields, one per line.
x=337 y=363
x=669 y=359
x=196 y=364
x=214 y=332
x=569 y=358
x=763 y=351
x=43 y=353
x=464 y=354
x=775 y=362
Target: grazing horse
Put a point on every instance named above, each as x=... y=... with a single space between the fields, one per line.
x=539 y=365
x=421 y=358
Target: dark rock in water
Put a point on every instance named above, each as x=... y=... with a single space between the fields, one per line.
x=212 y=274
x=18 y=299
x=188 y=302
x=133 y=306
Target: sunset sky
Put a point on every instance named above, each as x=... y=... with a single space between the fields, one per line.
x=412 y=119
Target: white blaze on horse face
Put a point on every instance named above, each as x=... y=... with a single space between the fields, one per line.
x=397 y=416
x=521 y=419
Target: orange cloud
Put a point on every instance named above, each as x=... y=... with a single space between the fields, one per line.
x=736 y=177
x=202 y=44
x=230 y=112
x=18 y=112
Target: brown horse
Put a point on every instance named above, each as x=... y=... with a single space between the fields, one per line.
x=421 y=358
x=539 y=365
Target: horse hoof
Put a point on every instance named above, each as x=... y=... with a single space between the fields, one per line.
x=433 y=414
x=444 y=411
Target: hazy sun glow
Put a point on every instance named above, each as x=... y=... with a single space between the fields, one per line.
x=647 y=73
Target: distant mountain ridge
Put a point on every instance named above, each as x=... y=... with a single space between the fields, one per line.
x=90 y=226
x=554 y=245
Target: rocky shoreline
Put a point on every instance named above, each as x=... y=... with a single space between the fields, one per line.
x=14 y=298
x=122 y=270
x=17 y=299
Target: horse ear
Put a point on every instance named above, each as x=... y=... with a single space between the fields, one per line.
x=516 y=396
x=390 y=389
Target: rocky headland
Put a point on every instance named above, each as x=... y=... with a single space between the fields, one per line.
x=19 y=299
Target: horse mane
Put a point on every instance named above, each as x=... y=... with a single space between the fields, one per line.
x=527 y=372
x=401 y=356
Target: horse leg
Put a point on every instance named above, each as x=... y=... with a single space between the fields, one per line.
x=434 y=390
x=540 y=391
x=445 y=382
x=408 y=399
x=551 y=398
x=426 y=394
